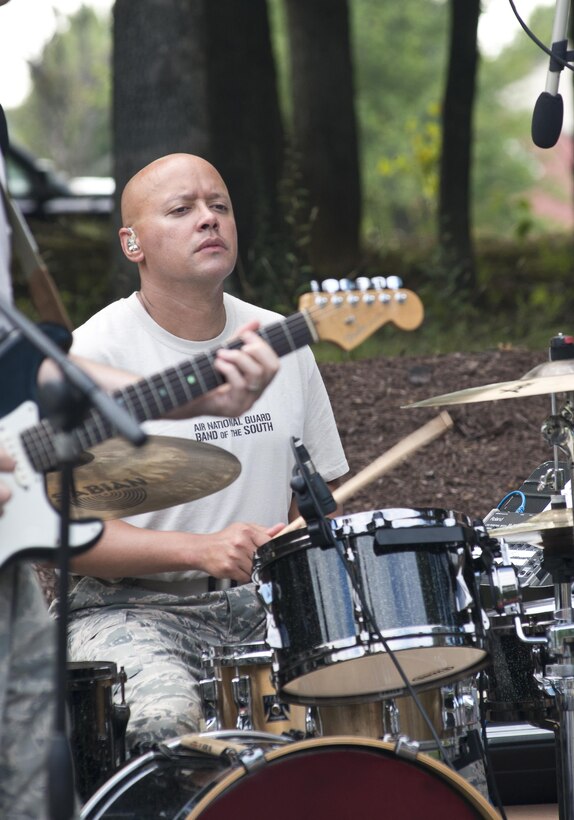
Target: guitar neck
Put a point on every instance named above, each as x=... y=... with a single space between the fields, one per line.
x=163 y=392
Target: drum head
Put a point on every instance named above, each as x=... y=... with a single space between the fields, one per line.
x=343 y=778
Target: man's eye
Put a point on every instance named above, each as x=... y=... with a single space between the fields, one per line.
x=181 y=210
x=221 y=207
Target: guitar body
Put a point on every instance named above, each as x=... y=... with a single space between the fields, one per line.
x=29 y=526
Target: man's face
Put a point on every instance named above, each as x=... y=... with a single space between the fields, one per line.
x=183 y=220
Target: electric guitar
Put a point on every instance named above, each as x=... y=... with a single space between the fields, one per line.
x=30 y=526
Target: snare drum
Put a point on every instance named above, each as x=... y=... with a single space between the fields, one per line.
x=514 y=685
x=414 y=568
x=238 y=693
x=323 y=779
x=98 y=725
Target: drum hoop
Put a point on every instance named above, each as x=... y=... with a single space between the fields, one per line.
x=299 y=539
x=256 y=654
x=445 y=773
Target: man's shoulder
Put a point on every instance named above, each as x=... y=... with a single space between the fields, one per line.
x=115 y=311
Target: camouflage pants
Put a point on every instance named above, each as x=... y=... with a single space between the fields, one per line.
x=159 y=641
x=27 y=707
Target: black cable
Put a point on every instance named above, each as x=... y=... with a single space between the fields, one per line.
x=539 y=43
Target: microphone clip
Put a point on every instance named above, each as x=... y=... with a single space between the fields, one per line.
x=314 y=499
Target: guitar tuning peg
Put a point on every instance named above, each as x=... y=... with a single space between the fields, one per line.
x=363 y=283
x=346 y=284
x=330 y=285
x=394 y=282
x=315 y=286
x=379 y=282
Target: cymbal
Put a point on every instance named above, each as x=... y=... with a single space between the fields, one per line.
x=120 y=480
x=535 y=527
x=549 y=377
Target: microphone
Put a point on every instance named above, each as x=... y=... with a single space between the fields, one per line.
x=314 y=498
x=548 y=113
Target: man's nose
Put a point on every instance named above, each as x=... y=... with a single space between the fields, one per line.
x=208 y=218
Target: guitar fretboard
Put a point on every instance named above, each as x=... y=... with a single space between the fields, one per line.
x=163 y=392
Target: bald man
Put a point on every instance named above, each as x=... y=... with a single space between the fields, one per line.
x=160 y=588
x=27 y=635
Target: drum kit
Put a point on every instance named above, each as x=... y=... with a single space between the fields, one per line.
x=392 y=636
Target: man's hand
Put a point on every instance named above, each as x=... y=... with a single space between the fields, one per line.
x=229 y=553
x=247 y=372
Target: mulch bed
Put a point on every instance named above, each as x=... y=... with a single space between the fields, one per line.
x=492 y=448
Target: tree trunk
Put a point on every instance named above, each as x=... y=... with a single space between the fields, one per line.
x=325 y=130
x=246 y=131
x=199 y=77
x=159 y=93
x=456 y=156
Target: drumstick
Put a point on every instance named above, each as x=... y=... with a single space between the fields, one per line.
x=424 y=435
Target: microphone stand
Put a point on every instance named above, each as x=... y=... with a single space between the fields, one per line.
x=65 y=404
x=315 y=500
x=119 y=418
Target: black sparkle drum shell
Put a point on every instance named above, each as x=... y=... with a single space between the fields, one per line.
x=514 y=679
x=341 y=778
x=420 y=588
x=96 y=733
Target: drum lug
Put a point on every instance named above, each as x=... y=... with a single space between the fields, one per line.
x=209 y=689
x=391 y=718
x=313 y=725
x=241 y=685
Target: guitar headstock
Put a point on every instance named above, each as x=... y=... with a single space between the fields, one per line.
x=347 y=313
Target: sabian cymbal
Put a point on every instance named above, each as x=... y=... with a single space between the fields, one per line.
x=549 y=377
x=532 y=530
x=121 y=480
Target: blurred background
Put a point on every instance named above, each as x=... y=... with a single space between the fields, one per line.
x=357 y=137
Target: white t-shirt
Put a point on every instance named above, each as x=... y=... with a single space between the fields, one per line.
x=295 y=404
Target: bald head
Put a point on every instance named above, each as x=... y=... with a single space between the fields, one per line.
x=178 y=222
x=165 y=176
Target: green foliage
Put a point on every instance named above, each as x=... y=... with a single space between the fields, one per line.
x=67 y=115
x=419 y=161
x=400 y=53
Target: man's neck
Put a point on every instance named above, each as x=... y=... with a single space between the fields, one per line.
x=196 y=316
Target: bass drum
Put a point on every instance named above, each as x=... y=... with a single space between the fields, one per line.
x=318 y=779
